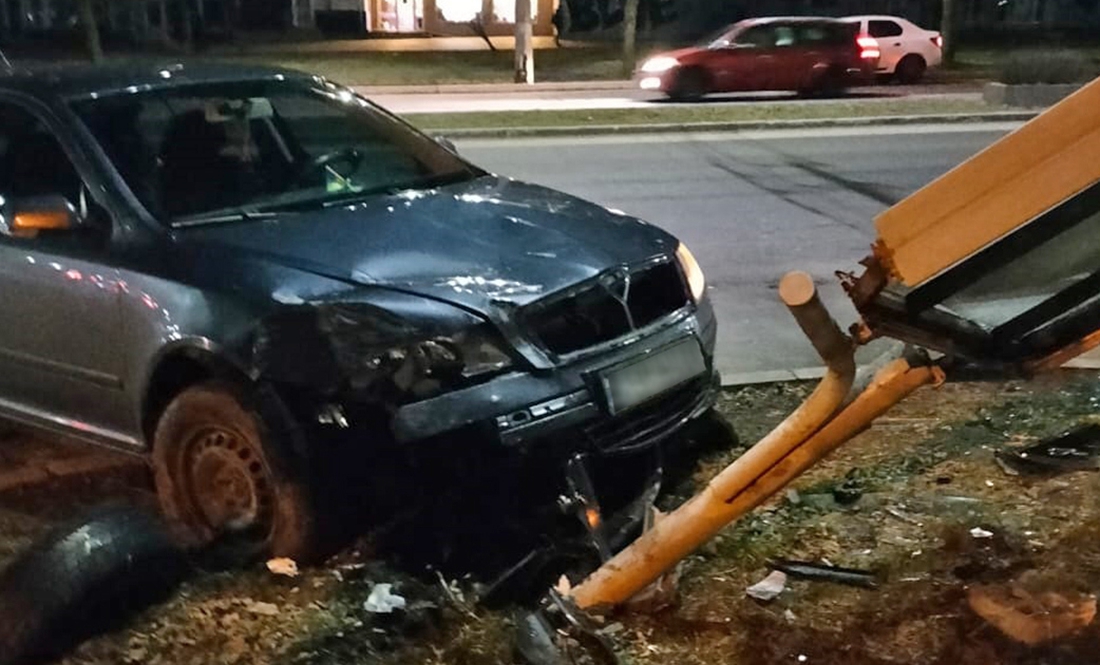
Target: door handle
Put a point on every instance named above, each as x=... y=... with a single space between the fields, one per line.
x=897 y=43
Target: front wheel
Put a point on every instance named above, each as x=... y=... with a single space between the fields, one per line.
x=228 y=479
x=690 y=85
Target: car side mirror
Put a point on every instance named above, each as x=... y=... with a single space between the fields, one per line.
x=27 y=217
x=447 y=143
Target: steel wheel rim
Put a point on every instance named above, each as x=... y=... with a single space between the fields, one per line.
x=228 y=484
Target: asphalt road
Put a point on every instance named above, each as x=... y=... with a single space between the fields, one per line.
x=471 y=102
x=752 y=206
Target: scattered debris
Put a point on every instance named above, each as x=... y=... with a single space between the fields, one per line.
x=265 y=609
x=1075 y=450
x=660 y=595
x=611 y=629
x=1005 y=466
x=897 y=514
x=455 y=595
x=849 y=491
x=980 y=533
x=789 y=616
x=769 y=587
x=382 y=600
x=826 y=572
x=794 y=497
x=1031 y=618
x=283 y=566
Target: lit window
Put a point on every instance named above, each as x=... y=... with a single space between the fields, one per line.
x=504 y=11
x=459 y=11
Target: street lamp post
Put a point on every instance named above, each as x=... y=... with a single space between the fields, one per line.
x=525 y=46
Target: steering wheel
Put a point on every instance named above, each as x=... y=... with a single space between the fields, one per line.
x=349 y=157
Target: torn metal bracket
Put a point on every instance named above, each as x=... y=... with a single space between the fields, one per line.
x=583 y=500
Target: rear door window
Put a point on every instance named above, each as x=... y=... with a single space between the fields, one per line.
x=883 y=29
x=825 y=34
x=784 y=36
x=758 y=36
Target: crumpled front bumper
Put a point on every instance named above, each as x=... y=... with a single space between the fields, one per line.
x=523 y=407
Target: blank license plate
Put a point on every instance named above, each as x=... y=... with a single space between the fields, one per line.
x=629 y=385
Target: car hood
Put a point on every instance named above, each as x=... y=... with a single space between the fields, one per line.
x=478 y=244
x=684 y=55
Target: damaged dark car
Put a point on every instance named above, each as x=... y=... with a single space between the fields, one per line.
x=267 y=284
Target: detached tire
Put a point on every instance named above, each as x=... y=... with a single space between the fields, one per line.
x=83 y=579
x=229 y=480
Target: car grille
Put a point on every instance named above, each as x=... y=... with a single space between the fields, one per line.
x=645 y=424
x=599 y=312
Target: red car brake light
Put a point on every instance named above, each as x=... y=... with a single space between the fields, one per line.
x=868 y=48
x=938 y=41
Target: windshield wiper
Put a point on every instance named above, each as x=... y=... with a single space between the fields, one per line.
x=226 y=216
x=429 y=182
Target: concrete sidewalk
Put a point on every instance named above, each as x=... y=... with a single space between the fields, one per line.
x=496 y=88
x=699 y=128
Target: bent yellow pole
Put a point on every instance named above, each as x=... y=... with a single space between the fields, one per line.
x=703 y=516
x=698 y=520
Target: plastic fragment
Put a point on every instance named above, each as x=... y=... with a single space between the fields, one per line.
x=382 y=600
x=283 y=566
x=769 y=587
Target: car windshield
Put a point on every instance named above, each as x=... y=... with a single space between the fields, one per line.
x=718 y=39
x=207 y=153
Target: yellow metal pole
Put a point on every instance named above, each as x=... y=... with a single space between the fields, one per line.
x=678 y=534
x=698 y=520
x=891 y=385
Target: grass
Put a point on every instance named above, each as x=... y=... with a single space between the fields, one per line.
x=439 y=67
x=702 y=113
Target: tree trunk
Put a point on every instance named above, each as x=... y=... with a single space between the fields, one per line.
x=948 y=31
x=141 y=23
x=24 y=10
x=165 y=24
x=630 y=34
x=91 y=29
x=525 y=43
x=187 y=26
x=5 y=19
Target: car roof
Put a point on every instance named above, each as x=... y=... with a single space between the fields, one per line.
x=876 y=17
x=787 y=19
x=76 y=81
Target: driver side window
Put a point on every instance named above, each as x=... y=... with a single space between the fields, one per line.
x=32 y=161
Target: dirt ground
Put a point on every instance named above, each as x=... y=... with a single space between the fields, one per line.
x=911 y=490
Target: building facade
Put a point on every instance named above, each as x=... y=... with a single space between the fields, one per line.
x=425 y=17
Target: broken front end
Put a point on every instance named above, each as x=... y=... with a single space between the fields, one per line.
x=548 y=419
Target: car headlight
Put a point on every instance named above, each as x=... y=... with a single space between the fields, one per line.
x=371 y=346
x=694 y=274
x=660 y=64
x=423 y=367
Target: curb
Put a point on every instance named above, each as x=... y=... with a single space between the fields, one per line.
x=486 y=88
x=738 y=379
x=736 y=126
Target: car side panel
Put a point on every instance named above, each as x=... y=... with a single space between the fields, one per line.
x=60 y=346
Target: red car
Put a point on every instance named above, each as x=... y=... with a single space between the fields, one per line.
x=807 y=55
